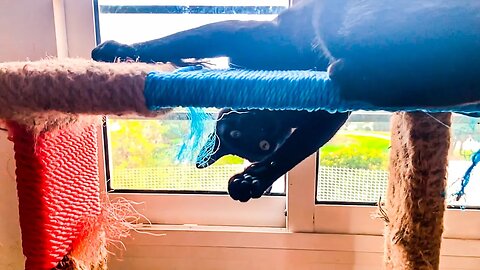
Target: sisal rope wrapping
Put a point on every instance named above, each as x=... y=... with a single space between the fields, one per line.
x=307 y=90
x=58 y=190
x=74 y=86
x=415 y=201
x=52 y=174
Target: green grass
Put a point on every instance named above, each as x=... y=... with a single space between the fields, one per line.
x=364 y=139
x=357 y=150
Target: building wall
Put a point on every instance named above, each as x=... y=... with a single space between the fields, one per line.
x=26 y=32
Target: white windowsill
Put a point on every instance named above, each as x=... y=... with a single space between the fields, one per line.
x=277 y=238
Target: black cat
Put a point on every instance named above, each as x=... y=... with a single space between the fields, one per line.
x=251 y=134
x=274 y=141
x=392 y=53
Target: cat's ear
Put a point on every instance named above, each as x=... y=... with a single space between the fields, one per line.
x=205 y=159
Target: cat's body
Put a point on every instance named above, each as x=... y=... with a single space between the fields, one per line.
x=404 y=52
x=274 y=141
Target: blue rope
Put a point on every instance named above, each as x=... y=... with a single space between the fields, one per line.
x=255 y=89
x=466 y=176
x=199 y=120
x=201 y=124
x=241 y=89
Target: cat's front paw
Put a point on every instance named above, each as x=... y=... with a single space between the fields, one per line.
x=243 y=187
x=251 y=184
x=110 y=51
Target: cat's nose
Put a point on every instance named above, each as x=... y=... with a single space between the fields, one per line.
x=200 y=165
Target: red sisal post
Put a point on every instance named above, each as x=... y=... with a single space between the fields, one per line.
x=58 y=191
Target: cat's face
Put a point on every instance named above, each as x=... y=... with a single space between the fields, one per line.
x=249 y=134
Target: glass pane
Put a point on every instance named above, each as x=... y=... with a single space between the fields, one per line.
x=465 y=142
x=143 y=156
x=130 y=21
x=142 y=153
x=353 y=166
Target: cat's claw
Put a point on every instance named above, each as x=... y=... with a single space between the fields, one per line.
x=110 y=51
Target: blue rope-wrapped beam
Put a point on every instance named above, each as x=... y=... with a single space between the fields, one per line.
x=240 y=89
x=196 y=87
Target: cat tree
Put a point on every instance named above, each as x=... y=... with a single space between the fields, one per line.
x=51 y=108
x=48 y=105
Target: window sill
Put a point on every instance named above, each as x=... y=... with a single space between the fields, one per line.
x=251 y=237
x=155 y=243
x=207 y=228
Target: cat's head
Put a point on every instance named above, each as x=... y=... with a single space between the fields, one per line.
x=249 y=134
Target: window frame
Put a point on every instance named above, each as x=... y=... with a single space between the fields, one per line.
x=303 y=214
x=165 y=208
x=355 y=219
x=176 y=208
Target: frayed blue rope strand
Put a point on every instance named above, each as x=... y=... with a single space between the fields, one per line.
x=207 y=151
x=198 y=123
x=201 y=124
x=466 y=176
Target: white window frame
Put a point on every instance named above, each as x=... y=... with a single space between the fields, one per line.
x=304 y=215
x=198 y=209
x=164 y=208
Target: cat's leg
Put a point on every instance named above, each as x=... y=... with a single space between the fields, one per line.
x=248 y=44
x=370 y=81
x=211 y=40
x=304 y=141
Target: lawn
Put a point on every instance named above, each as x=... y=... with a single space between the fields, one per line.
x=357 y=149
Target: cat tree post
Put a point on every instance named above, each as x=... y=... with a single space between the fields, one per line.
x=415 y=201
x=59 y=198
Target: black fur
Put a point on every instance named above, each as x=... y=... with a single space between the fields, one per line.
x=250 y=134
x=290 y=135
x=392 y=53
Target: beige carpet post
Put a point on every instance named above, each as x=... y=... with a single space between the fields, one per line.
x=415 y=201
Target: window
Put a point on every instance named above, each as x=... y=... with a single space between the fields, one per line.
x=353 y=166
x=142 y=153
x=313 y=192
x=352 y=176
x=143 y=156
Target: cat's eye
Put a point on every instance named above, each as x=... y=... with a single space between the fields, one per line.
x=235 y=134
x=264 y=145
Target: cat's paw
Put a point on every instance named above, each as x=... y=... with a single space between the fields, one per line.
x=111 y=51
x=243 y=187
x=251 y=184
